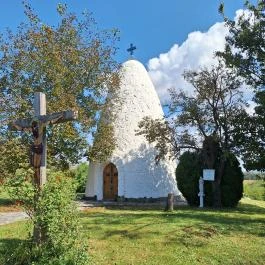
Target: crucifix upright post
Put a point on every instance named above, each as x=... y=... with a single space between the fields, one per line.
x=40 y=110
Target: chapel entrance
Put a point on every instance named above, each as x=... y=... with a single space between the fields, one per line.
x=110 y=182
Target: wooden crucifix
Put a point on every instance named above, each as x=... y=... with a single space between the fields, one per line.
x=37 y=125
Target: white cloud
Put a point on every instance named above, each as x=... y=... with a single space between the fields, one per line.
x=251 y=107
x=198 y=50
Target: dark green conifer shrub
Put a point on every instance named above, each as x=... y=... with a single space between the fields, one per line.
x=190 y=169
x=232 y=182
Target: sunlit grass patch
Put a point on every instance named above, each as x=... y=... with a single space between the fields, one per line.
x=152 y=236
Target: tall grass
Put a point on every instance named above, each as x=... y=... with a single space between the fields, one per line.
x=254 y=189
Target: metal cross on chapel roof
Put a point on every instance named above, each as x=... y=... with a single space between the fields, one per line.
x=131 y=49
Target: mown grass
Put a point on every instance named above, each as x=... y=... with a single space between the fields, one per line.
x=254 y=189
x=152 y=236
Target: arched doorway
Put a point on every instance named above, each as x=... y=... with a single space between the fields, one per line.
x=110 y=182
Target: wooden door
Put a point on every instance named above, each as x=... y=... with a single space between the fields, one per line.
x=110 y=182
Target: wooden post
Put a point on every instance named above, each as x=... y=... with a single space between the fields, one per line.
x=39 y=106
x=170 y=202
x=40 y=110
x=201 y=191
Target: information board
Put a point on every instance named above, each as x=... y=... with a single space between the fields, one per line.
x=208 y=174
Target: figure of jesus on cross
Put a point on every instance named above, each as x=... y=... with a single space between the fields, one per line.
x=37 y=125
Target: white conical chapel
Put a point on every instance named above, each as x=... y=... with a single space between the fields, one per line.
x=132 y=171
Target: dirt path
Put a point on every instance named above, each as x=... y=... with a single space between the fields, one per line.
x=11 y=217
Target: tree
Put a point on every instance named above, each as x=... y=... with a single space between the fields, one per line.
x=245 y=43
x=80 y=175
x=202 y=119
x=245 y=52
x=73 y=65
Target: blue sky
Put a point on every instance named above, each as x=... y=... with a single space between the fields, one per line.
x=152 y=25
x=171 y=36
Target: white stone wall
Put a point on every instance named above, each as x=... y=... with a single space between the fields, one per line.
x=138 y=175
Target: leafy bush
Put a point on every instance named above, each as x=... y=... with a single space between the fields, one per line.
x=56 y=214
x=80 y=175
x=190 y=169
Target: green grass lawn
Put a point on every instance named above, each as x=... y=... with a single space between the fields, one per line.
x=254 y=189
x=151 y=236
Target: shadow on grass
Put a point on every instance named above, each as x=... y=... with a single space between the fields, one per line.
x=132 y=233
x=123 y=233
x=8 y=246
x=6 y=202
x=248 y=208
x=225 y=221
x=192 y=235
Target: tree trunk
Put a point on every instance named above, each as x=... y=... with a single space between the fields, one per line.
x=217 y=202
x=217 y=199
x=213 y=159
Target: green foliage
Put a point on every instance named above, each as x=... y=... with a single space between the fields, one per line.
x=14 y=154
x=21 y=189
x=72 y=63
x=56 y=213
x=104 y=143
x=245 y=43
x=189 y=171
x=187 y=176
x=232 y=182
x=254 y=189
x=245 y=52
x=250 y=135
x=204 y=119
x=158 y=132
x=80 y=176
x=208 y=112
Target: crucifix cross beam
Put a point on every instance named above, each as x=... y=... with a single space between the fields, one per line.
x=54 y=118
x=37 y=125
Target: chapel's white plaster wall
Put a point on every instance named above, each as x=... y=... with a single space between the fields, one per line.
x=138 y=175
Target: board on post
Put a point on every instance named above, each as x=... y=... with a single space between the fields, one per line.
x=208 y=175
